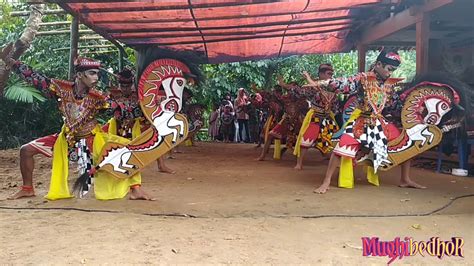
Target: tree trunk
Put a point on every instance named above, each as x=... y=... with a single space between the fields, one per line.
x=24 y=42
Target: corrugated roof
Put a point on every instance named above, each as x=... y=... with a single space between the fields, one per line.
x=225 y=30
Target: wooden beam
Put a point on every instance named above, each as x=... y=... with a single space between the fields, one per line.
x=361 y=54
x=422 y=43
x=162 y=35
x=399 y=21
x=394 y=43
x=223 y=4
x=210 y=5
x=74 y=45
x=242 y=26
x=144 y=41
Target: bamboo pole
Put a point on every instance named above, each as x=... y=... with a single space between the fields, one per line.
x=84 y=47
x=55 y=23
x=101 y=52
x=92 y=37
x=59 y=32
x=45 y=12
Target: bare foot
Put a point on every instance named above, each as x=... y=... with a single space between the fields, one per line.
x=322 y=189
x=166 y=170
x=411 y=184
x=138 y=193
x=22 y=194
x=298 y=167
x=260 y=158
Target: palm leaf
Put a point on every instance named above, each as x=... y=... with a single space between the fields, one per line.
x=22 y=92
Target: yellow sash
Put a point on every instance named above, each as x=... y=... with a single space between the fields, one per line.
x=304 y=127
x=106 y=187
x=58 y=188
x=112 y=126
x=266 y=127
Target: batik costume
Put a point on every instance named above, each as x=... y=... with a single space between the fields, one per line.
x=127 y=117
x=367 y=131
x=80 y=133
x=127 y=120
x=295 y=107
x=319 y=124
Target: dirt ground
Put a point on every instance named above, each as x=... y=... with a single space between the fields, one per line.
x=223 y=207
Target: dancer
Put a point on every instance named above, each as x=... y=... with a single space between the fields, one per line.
x=367 y=128
x=79 y=103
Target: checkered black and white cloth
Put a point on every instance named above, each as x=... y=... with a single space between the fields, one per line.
x=84 y=164
x=375 y=139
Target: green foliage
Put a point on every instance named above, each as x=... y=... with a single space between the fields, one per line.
x=22 y=122
x=224 y=78
x=25 y=113
x=20 y=91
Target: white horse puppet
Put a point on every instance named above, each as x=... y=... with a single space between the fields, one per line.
x=160 y=91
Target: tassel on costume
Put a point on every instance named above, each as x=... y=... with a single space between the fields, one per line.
x=82 y=182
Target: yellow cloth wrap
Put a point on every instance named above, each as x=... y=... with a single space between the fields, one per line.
x=188 y=143
x=266 y=127
x=136 y=129
x=372 y=177
x=58 y=187
x=112 y=126
x=277 y=150
x=107 y=187
x=304 y=127
x=346 y=170
x=346 y=173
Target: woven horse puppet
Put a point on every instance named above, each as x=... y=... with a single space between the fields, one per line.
x=423 y=107
x=160 y=90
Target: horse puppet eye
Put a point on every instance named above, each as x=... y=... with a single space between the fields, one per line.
x=180 y=82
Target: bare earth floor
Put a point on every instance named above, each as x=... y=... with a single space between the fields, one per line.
x=223 y=207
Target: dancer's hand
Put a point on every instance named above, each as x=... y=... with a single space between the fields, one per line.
x=306 y=74
x=6 y=55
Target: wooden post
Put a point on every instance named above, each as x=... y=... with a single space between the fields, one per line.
x=361 y=54
x=422 y=42
x=435 y=62
x=74 y=46
x=120 y=62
